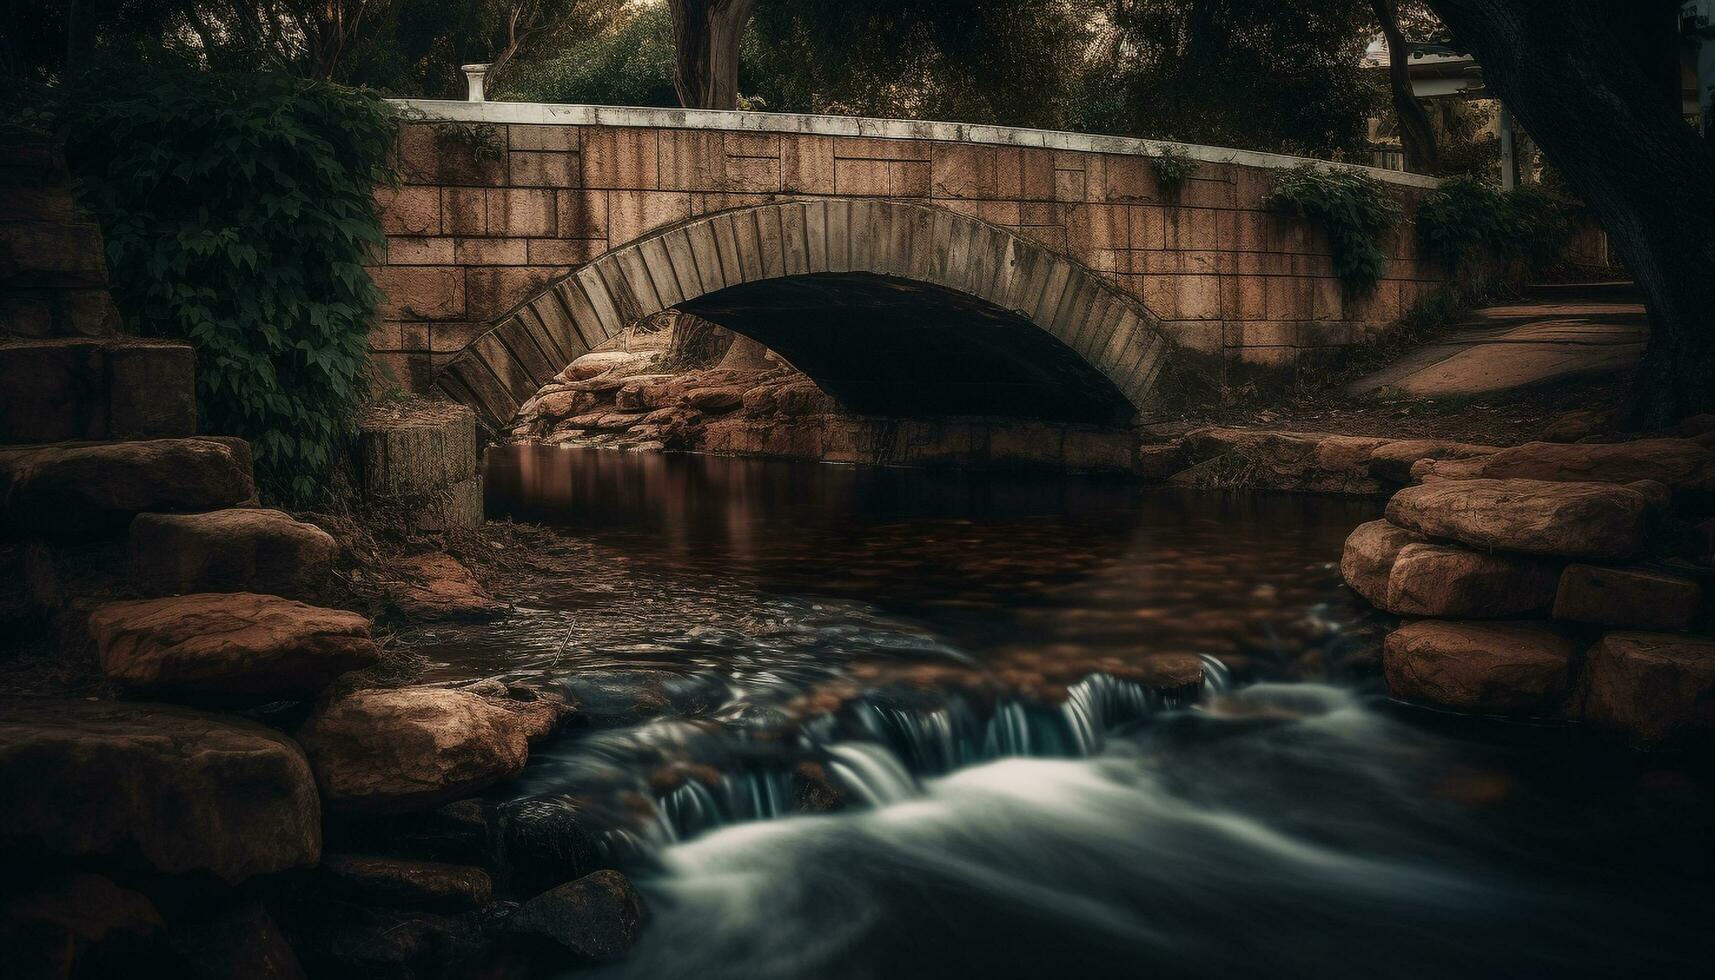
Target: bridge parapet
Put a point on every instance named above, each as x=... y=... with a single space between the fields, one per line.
x=500 y=200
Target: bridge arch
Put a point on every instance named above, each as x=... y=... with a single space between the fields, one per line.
x=1021 y=319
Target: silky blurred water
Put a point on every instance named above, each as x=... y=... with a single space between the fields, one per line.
x=967 y=659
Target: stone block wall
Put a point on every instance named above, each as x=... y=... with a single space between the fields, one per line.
x=498 y=200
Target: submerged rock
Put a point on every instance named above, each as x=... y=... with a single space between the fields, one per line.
x=1522 y=668
x=1539 y=517
x=235 y=550
x=1653 y=687
x=181 y=789
x=1452 y=582
x=597 y=916
x=1626 y=598
x=235 y=646
x=401 y=749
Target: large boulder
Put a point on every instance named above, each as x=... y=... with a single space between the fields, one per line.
x=1626 y=598
x=1455 y=583
x=1392 y=461
x=179 y=789
x=90 y=490
x=1654 y=687
x=402 y=749
x=1538 y=517
x=237 y=550
x=1680 y=464
x=1522 y=668
x=597 y=916
x=1367 y=561
x=230 y=646
x=438 y=586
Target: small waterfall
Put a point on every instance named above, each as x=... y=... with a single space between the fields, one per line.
x=872 y=772
x=1217 y=679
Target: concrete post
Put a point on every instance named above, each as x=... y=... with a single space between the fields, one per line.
x=473 y=75
x=1509 y=151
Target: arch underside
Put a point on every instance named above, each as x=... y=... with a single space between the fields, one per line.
x=894 y=309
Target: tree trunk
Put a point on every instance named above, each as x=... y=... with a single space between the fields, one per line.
x=1416 y=134
x=705 y=42
x=1603 y=123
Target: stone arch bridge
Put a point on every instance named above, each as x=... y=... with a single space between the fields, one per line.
x=910 y=268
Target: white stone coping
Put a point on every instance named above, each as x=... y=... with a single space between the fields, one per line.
x=783 y=122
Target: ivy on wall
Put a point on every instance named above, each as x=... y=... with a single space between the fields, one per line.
x=1465 y=218
x=1354 y=210
x=238 y=212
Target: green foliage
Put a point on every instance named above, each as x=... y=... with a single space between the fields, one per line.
x=628 y=64
x=1173 y=167
x=1352 y=209
x=238 y=212
x=1465 y=218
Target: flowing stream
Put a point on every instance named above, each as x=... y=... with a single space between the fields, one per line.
x=849 y=722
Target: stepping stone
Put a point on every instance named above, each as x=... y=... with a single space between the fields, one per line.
x=1505 y=668
x=183 y=790
x=1392 y=461
x=1626 y=598
x=237 y=550
x=229 y=647
x=81 y=491
x=1367 y=561
x=410 y=748
x=1653 y=687
x=1679 y=464
x=437 y=586
x=410 y=884
x=1537 y=517
x=1454 y=583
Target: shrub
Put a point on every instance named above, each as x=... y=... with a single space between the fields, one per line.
x=1352 y=209
x=1173 y=167
x=238 y=211
x=1463 y=218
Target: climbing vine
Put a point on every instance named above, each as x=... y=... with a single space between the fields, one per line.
x=238 y=212
x=1173 y=167
x=1465 y=218
x=1352 y=209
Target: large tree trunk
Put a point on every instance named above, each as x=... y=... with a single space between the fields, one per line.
x=705 y=41
x=1416 y=134
x=1603 y=122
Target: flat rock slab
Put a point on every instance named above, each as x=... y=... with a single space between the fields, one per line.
x=1538 y=517
x=1654 y=687
x=1367 y=562
x=1392 y=461
x=595 y=917
x=1627 y=598
x=411 y=884
x=230 y=646
x=236 y=550
x=79 y=491
x=1679 y=464
x=402 y=749
x=438 y=586
x=1503 y=668
x=1456 y=583
x=181 y=789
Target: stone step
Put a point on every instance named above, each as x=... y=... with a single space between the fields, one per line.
x=230 y=648
x=57 y=390
x=88 y=490
x=234 y=550
x=34 y=314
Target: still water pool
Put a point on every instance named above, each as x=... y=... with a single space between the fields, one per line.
x=848 y=722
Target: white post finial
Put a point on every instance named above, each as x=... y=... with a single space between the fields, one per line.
x=474 y=74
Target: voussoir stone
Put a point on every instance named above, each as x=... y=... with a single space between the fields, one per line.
x=1626 y=598
x=1654 y=687
x=1680 y=464
x=1483 y=667
x=1539 y=517
x=403 y=749
x=230 y=646
x=596 y=916
x=1368 y=559
x=90 y=490
x=181 y=789
x=1456 y=583
x=236 y=550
